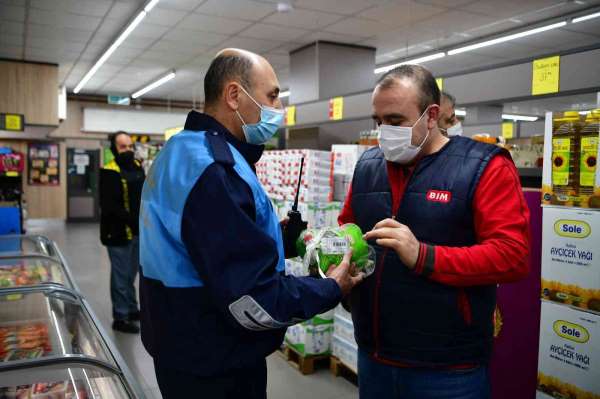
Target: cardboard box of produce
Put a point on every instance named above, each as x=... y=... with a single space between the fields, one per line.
x=571 y=257
x=569 y=355
x=310 y=339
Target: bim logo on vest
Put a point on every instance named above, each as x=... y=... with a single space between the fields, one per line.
x=439 y=196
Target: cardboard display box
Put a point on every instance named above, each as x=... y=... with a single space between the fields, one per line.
x=569 y=355
x=571 y=257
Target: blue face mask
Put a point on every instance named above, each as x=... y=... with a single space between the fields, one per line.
x=271 y=119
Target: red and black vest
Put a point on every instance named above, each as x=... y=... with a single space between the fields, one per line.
x=405 y=318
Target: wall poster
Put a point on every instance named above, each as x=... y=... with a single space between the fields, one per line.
x=43 y=163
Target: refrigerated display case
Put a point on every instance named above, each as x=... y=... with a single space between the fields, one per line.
x=51 y=344
x=19 y=245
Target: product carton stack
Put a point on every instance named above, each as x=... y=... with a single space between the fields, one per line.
x=345 y=157
x=343 y=343
x=312 y=337
x=569 y=354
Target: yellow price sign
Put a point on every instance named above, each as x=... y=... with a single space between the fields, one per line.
x=290 y=115
x=546 y=76
x=508 y=130
x=336 y=108
x=13 y=122
x=440 y=83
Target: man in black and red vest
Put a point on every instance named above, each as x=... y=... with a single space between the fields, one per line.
x=449 y=222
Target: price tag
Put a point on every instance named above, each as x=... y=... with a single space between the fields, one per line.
x=336 y=108
x=290 y=115
x=546 y=75
x=334 y=245
x=13 y=122
x=507 y=130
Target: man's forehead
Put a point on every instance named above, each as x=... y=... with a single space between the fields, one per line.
x=396 y=96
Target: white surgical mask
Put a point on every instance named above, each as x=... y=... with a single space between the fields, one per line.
x=455 y=130
x=395 y=142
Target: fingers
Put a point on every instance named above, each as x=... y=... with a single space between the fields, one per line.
x=347 y=257
x=387 y=223
x=383 y=232
x=388 y=243
x=358 y=278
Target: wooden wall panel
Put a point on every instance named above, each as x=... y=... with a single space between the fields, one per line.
x=30 y=89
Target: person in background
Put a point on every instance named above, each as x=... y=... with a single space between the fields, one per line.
x=214 y=297
x=449 y=222
x=448 y=122
x=121 y=182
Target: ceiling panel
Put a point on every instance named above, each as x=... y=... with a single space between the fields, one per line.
x=177 y=47
x=359 y=26
x=508 y=51
x=124 y=56
x=12 y=13
x=241 y=9
x=164 y=17
x=192 y=38
x=246 y=43
x=332 y=37
x=13 y=2
x=63 y=19
x=447 y=3
x=11 y=28
x=57 y=34
x=11 y=40
x=174 y=57
x=136 y=42
x=268 y=31
x=398 y=14
x=552 y=40
x=346 y=7
x=591 y=26
x=455 y=21
x=509 y=8
x=95 y=8
x=300 y=18
x=205 y=23
x=184 y=5
x=149 y=31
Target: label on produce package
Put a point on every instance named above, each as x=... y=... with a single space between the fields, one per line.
x=334 y=245
x=569 y=353
x=561 y=156
x=589 y=150
x=570 y=257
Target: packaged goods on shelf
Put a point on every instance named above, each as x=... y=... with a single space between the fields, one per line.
x=343 y=328
x=346 y=351
x=571 y=152
x=317 y=214
x=571 y=257
x=569 y=354
x=24 y=341
x=343 y=313
x=345 y=157
x=341 y=185
x=310 y=339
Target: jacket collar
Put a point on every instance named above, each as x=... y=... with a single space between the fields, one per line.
x=197 y=121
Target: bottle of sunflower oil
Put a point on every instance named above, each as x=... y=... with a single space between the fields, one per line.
x=589 y=153
x=565 y=158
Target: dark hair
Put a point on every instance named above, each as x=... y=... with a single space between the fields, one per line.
x=449 y=97
x=428 y=88
x=113 y=141
x=223 y=68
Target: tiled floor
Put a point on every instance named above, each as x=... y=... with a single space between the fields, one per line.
x=89 y=264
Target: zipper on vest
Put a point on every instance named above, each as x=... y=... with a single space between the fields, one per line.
x=376 y=301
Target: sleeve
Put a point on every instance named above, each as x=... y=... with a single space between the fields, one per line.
x=501 y=218
x=347 y=214
x=237 y=260
x=111 y=200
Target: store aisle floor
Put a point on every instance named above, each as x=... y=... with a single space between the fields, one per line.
x=89 y=264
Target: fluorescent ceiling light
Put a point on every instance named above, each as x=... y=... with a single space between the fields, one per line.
x=586 y=17
x=154 y=85
x=284 y=94
x=138 y=19
x=62 y=103
x=506 y=38
x=460 y=112
x=520 y=117
x=413 y=61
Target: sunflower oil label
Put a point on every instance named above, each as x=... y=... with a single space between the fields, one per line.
x=589 y=152
x=561 y=156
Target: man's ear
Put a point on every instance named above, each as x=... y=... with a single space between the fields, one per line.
x=231 y=94
x=433 y=114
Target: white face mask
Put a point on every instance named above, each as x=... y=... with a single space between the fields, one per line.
x=395 y=142
x=455 y=130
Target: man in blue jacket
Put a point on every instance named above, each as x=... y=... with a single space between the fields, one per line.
x=214 y=299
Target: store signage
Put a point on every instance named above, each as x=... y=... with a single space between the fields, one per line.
x=440 y=83
x=290 y=115
x=336 y=109
x=118 y=100
x=546 y=76
x=569 y=354
x=508 y=130
x=570 y=257
x=140 y=138
x=439 y=196
x=12 y=122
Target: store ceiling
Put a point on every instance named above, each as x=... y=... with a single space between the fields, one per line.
x=185 y=34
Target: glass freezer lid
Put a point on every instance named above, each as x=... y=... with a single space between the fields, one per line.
x=62 y=381
x=47 y=323
x=17 y=245
x=31 y=271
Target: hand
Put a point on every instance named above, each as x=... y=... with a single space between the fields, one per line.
x=394 y=235
x=342 y=275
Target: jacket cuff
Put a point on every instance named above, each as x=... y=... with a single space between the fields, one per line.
x=425 y=260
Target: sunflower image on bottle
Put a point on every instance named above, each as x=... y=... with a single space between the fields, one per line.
x=589 y=153
x=325 y=247
x=564 y=159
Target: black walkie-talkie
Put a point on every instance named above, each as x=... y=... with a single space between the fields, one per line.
x=295 y=225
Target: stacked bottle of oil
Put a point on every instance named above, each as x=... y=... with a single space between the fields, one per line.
x=574 y=158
